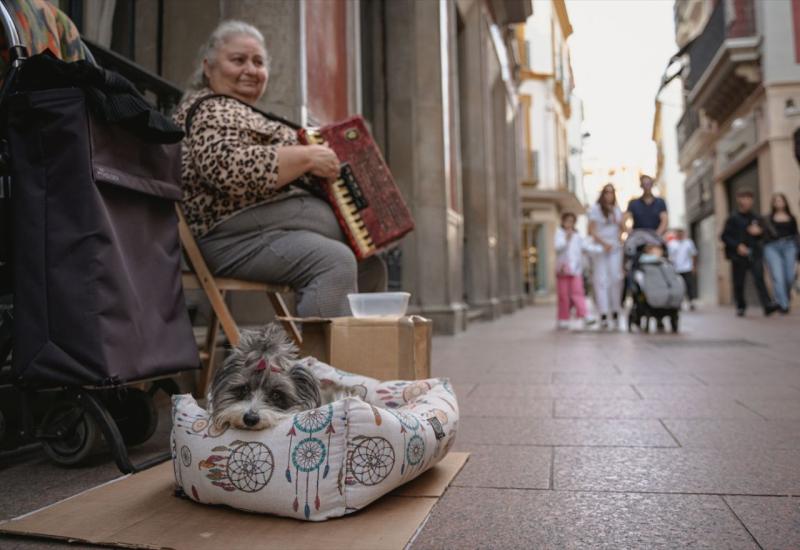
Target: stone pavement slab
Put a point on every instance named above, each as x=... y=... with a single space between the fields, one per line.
x=652 y=408
x=735 y=434
x=533 y=391
x=506 y=406
x=664 y=378
x=491 y=518
x=773 y=521
x=679 y=470
x=775 y=410
x=507 y=467
x=549 y=431
x=701 y=393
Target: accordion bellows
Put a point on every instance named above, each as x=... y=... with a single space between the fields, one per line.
x=321 y=463
x=366 y=200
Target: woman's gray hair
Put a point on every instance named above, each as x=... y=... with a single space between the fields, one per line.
x=224 y=32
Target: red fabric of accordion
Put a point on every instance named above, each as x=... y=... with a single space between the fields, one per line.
x=366 y=199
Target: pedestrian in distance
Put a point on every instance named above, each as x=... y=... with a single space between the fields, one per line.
x=569 y=246
x=648 y=211
x=781 y=248
x=743 y=237
x=683 y=254
x=605 y=227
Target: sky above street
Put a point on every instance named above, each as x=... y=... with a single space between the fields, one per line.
x=620 y=49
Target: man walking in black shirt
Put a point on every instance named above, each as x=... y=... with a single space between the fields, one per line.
x=743 y=237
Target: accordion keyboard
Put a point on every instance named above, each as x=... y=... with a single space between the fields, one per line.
x=350 y=205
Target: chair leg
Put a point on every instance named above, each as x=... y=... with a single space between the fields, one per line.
x=211 y=352
x=282 y=311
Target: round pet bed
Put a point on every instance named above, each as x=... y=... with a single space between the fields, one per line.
x=321 y=463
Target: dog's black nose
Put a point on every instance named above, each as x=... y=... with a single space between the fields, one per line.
x=250 y=418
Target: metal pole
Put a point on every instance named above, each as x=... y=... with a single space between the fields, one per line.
x=8 y=26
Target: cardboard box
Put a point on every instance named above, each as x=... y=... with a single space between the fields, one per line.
x=141 y=511
x=386 y=349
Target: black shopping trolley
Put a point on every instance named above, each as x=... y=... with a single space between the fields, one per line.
x=91 y=259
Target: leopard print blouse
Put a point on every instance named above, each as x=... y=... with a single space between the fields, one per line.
x=229 y=161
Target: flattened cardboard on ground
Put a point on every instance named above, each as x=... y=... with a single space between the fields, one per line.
x=384 y=348
x=140 y=511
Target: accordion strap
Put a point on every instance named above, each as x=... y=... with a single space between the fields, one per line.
x=302 y=182
x=187 y=125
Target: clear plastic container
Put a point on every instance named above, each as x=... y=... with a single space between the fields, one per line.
x=379 y=304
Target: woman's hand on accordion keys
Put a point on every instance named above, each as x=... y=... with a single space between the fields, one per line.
x=324 y=162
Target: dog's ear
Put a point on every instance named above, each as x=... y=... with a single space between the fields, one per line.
x=306 y=386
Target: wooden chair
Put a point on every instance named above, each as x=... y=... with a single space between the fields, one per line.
x=215 y=288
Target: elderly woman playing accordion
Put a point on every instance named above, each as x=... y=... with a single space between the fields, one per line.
x=245 y=179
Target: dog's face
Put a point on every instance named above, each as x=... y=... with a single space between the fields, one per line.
x=262 y=382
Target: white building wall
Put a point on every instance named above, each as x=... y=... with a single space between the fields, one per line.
x=543 y=130
x=774 y=21
x=575 y=144
x=671 y=176
x=538 y=33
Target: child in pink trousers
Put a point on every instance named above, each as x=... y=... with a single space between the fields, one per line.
x=569 y=272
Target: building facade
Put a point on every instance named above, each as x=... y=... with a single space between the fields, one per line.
x=552 y=170
x=741 y=88
x=669 y=179
x=436 y=81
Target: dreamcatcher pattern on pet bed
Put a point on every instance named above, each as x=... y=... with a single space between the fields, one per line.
x=322 y=463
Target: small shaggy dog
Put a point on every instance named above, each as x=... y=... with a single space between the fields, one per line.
x=262 y=382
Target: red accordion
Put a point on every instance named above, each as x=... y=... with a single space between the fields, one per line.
x=365 y=198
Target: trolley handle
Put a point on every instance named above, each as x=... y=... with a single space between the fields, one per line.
x=17 y=50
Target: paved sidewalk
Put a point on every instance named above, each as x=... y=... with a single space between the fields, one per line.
x=589 y=440
x=617 y=440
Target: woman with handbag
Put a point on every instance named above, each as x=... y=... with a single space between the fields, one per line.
x=781 y=250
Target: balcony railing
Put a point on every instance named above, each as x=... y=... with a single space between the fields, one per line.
x=687 y=126
x=720 y=26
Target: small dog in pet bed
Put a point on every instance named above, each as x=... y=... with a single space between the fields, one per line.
x=262 y=382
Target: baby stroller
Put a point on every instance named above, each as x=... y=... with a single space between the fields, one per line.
x=92 y=309
x=656 y=288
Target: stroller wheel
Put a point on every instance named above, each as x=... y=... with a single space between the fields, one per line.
x=69 y=434
x=135 y=414
x=631 y=321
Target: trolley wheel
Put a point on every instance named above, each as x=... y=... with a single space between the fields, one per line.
x=135 y=414
x=70 y=434
x=673 y=321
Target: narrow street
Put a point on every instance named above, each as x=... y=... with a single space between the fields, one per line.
x=613 y=440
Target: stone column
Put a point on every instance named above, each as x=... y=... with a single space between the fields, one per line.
x=422 y=152
x=503 y=177
x=477 y=68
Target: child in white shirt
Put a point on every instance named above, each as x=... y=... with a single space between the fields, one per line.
x=569 y=271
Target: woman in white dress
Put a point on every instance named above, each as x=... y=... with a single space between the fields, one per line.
x=605 y=227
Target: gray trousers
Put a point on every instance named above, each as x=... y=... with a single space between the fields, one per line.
x=297 y=242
